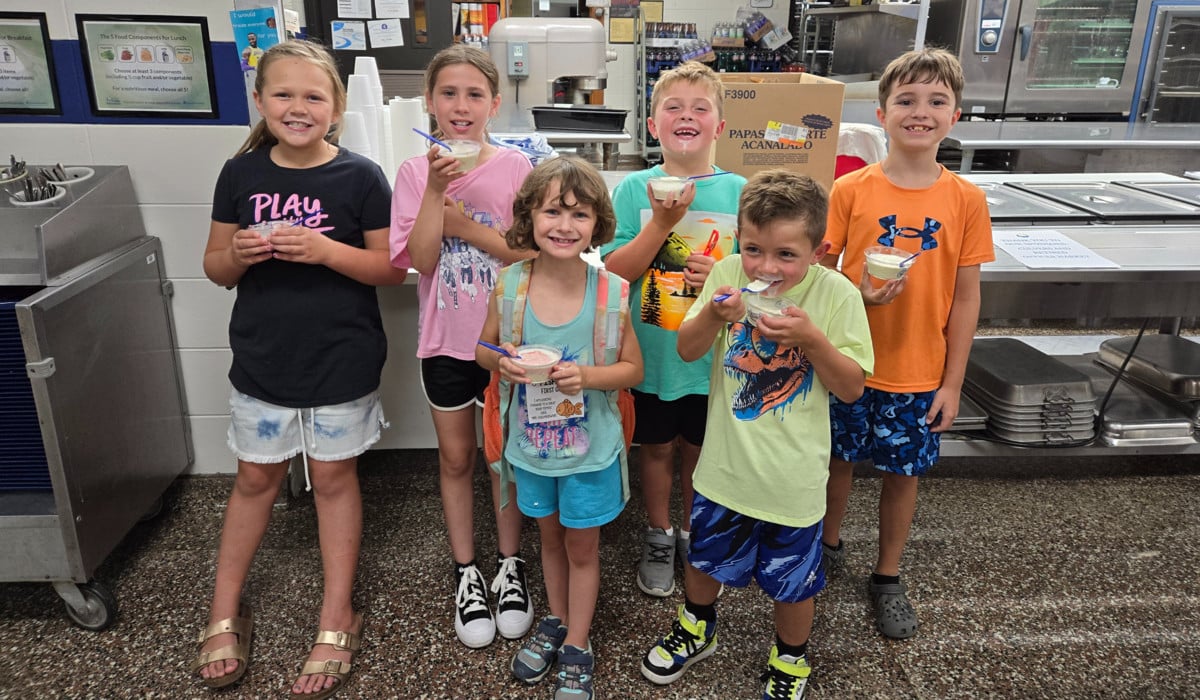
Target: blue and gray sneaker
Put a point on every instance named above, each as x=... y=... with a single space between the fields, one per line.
x=574 y=679
x=540 y=651
x=689 y=641
x=786 y=677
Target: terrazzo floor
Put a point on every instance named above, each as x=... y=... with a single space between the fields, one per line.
x=1048 y=578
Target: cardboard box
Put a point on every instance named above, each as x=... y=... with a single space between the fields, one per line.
x=780 y=120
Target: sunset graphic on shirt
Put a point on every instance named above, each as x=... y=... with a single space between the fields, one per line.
x=665 y=297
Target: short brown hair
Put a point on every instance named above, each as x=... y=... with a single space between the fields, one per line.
x=575 y=177
x=690 y=72
x=924 y=66
x=778 y=194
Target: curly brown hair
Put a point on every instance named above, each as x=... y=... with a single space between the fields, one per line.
x=575 y=177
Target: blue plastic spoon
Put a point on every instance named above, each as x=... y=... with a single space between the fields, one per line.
x=497 y=348
x=753 y=287
x=443 y=144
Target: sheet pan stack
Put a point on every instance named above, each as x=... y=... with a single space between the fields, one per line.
x=1030 y=397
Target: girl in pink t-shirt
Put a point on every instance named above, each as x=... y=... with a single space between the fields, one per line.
x=448 y=222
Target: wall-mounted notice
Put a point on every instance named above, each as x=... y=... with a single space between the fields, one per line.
x=254 y=31
x=148 y=66
x=27 y=84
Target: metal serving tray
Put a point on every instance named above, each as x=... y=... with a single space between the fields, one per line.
x=1012 y=412
x=970 y=415
x=1020 y=375
x=1131 y=413
x=1183 y=191
x=1009 y=205
x=1064 y=422
x=1112 y=202
x=1168 y=363
x=1042 y=437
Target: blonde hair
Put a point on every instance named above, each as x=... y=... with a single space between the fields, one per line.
x=691 y=72
x=458 y=54
x=778 y=194
x=928 y=65
x=260 y=136
x=575 y=177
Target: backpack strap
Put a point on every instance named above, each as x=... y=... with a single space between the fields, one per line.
x=612 y=308
x=513 y=283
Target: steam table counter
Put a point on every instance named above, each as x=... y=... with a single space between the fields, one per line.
x=1159 y=277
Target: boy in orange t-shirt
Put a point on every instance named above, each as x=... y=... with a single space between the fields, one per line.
x=922 y=323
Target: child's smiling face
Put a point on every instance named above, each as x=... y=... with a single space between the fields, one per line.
x=686 y=120
x=462 y=102
x=562 y=225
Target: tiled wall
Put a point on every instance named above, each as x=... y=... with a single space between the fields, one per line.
x=174 y=168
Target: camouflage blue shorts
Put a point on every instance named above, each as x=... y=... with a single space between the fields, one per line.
x=888 y=429
x=733 y=548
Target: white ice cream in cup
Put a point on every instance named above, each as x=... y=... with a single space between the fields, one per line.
x=668 y=185
x=883 y=262
x=758 y=305
x=465 y=152
x=537 y=361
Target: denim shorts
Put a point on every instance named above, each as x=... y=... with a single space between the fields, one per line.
x=888 y=429
x=264 y=433
x=733 y=548
x=590 y=499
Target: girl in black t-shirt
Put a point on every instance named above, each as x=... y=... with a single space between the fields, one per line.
x=300 y=229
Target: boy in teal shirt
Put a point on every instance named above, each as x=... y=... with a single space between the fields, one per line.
x=665 y=248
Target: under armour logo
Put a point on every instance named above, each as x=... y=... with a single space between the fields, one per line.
x=891 y=231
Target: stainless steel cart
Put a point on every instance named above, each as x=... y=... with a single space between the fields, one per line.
x=86 y=287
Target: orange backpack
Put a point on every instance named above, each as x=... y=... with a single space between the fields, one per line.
x=612 y=310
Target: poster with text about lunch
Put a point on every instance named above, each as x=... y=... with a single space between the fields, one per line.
x=147 y=66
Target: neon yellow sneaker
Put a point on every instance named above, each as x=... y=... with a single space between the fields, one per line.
x=786 y=677
x=689 y=641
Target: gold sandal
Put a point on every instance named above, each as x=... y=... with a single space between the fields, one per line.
x=243 y=627
x=339 y=670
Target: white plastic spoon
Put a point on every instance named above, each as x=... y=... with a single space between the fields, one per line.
x=754 y=287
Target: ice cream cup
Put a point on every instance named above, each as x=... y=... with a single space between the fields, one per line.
x=668 y=185
x=465 y=152
x=266 y=228
x=758 y=306
x=884 y=262
x=537 y=361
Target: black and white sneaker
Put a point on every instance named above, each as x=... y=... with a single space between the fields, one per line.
x=473 y=619
x=514 y=609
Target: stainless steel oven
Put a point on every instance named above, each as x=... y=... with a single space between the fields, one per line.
x=1169 y=81
x=1030 y=57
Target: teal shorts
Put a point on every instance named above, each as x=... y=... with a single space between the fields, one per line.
x=590 y=499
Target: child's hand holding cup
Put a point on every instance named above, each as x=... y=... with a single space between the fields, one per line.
x=265 y=228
